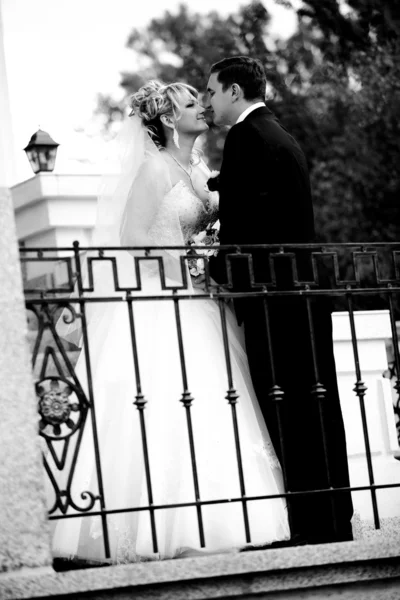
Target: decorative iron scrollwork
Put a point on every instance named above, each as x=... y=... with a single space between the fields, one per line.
x=58 y=401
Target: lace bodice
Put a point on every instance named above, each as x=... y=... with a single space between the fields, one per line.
x=194 y=215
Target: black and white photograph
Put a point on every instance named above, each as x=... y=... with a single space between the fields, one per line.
x=200 y=299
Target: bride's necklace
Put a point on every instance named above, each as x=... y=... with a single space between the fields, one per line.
x=188 y=173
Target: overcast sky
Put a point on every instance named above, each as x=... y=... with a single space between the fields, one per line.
x=61 y=53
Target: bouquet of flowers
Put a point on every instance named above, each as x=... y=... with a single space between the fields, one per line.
x=207 y=239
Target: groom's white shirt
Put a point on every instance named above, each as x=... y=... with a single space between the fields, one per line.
x=248 y=110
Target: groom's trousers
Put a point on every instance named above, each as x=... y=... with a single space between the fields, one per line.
x=306 y=428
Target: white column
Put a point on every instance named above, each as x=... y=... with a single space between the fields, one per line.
x=372 y=330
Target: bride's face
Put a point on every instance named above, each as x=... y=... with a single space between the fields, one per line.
x=192 y=115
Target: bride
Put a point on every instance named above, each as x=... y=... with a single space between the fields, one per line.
x=189 y=426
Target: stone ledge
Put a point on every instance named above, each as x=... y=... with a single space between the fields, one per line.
x=218 y=576
x=44 y=185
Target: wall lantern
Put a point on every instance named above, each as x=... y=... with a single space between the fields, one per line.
x=41 y=152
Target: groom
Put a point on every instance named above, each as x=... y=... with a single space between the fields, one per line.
x=265 y=198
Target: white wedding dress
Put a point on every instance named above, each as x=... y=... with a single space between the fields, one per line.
x=119 y=433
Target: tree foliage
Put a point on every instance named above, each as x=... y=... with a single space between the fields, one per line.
x=353 y=93
x=346 y=25
x=356 y=177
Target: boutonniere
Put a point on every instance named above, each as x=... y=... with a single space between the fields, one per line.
x=212 y=184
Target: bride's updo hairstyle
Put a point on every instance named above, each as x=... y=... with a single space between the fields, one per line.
x=155 y=99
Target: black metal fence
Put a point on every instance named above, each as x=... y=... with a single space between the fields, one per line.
x=348 y=276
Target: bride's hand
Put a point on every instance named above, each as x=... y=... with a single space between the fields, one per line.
x=199 y=282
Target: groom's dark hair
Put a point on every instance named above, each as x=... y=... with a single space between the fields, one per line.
x=245 y=71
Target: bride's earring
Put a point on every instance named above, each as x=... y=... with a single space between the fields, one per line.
x=175 y=138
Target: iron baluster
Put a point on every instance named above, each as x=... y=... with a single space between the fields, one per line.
x=396 y=353
x=232 y=398
x=360 y=389
x=318 y=392
x=276 y=395
x=91 y=400
x=140 y=404
x=187 y=400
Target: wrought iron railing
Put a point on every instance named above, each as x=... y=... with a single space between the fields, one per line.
x=351 y=276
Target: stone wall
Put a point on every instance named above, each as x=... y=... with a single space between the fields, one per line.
x=344 y=571
x=24 y=538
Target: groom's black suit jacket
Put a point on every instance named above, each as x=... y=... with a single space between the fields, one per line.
x=264 y=186
x=265 y=198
